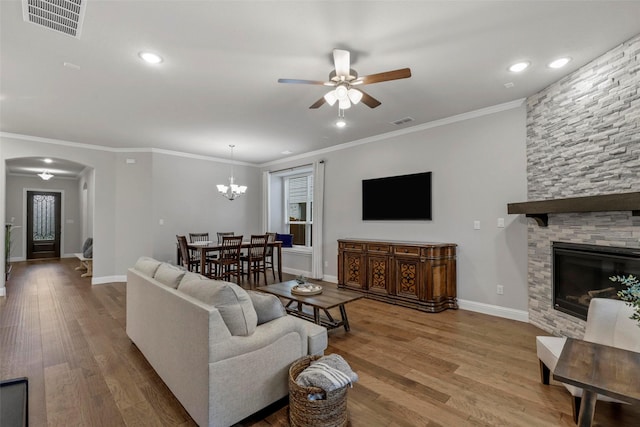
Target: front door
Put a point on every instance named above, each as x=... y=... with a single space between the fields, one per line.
x=43 y=224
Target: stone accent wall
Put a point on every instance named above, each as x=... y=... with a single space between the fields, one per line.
x=583 y=139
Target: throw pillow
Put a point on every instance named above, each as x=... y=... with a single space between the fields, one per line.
x=87 y=243
x=268 y=307
x=286 y=239
x=147 y=266
x=87 y=248
x=88 y=253
x=169 y=275
x=231 y=300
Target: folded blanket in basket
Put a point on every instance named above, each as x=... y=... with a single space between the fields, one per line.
x=329 y=373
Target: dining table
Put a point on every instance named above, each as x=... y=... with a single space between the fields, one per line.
x=206 y=247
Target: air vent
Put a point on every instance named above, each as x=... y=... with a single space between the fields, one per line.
x=403 y=121
x=63 y=16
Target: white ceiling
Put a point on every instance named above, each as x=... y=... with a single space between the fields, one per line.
x=218 y=82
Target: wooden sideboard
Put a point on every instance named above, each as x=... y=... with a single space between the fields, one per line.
x=412 y=274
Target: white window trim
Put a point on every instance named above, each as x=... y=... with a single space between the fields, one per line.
x=301 y=248
x=297 y=249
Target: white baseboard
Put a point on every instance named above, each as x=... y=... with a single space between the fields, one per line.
x=107 y=279
x=3 y=291
x=296 y=272
x=494 y=310
x=330 y=279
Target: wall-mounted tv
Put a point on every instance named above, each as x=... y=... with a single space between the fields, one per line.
x=404 y=197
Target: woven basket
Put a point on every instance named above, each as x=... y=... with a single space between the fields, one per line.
x=329 y=412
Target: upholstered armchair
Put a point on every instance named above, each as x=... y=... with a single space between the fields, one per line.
x=608 y=323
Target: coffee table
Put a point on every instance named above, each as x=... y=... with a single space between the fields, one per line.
x=597 y=368
x=329 y=298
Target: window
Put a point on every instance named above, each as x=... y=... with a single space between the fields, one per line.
x=299 y=208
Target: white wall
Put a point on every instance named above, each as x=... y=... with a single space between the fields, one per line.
x=478 y=167
x=103 y=164
x=186 y=200
x=71 y=221
x=129 y=199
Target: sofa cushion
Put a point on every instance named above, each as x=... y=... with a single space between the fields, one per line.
x=169 y=275
x=231 y=300
x=268 y=307
x=191 y=276
x=147 y=266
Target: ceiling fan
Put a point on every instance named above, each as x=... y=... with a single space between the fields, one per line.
x=345 y=80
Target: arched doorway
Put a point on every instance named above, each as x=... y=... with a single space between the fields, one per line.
x=51 y=217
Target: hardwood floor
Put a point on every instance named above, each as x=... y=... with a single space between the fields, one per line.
x=454 y=368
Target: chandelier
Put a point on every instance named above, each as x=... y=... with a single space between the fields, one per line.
x=231 y=191
x=45 y=175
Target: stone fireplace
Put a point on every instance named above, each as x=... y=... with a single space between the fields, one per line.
x=583 y=139
x=582 y=272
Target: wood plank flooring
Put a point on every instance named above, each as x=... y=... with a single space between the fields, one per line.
x=456 y=368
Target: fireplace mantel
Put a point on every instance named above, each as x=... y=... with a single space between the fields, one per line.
x=540 y=209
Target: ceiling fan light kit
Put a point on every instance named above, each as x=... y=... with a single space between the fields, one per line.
x=343 y=78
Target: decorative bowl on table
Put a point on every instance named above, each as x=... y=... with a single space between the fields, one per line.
x=306 y=289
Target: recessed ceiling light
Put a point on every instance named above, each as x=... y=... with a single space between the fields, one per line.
x=520 y=66
x=341 y=123
x=47 y=160
x=150 y=57
x=559 y=63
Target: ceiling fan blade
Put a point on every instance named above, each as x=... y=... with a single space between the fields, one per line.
x=319 y=103
x=369 y=100
x=303 y=82
x=402 y=73
x=342 y=62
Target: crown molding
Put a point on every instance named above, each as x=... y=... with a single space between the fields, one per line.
x=418 y=128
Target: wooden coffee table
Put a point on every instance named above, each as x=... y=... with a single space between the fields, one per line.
x=329 y=298
x=597 y=368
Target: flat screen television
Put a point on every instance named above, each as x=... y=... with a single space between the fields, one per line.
x=404 y=197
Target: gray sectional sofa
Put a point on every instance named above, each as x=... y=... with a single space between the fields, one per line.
x=222 y=351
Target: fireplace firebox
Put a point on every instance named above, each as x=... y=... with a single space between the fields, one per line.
x=581 y=272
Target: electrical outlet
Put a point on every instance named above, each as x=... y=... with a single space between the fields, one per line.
x=500 y=290
x=500 y=222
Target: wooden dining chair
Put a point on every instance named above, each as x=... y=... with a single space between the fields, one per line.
x=198 y=237
x=255 y=258
x=221 y=234
x=186 y=259
x=201 y=237
x=268 y=258
x=228 y=262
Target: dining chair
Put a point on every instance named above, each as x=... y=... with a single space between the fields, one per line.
x=201 y=237
x=221 y=234
x=186 y=259
x=268 y=257
x=198 y=237
x=255 y=258
x=228 y=262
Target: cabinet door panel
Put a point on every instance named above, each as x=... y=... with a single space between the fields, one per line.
x=354 y=270
x=408 y=277
x=378 y=274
